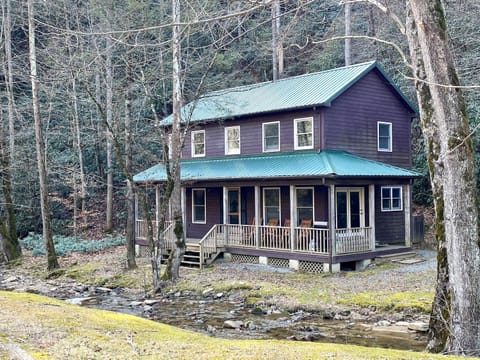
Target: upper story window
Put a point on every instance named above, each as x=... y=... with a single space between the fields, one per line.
x=232 y=140
x=384 y=135
x=392 y=198
x=199 y=206
x=198 y=143
x=303 y=129
x=271 y=136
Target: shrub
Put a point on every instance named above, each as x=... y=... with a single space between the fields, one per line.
x=68 y=244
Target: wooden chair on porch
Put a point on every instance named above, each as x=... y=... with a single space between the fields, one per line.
x=270 y=233
x=285 y=236
x=304 y=235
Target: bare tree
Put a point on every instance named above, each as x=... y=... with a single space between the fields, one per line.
x=109 y=114
x=52 y=262
x=348 y=32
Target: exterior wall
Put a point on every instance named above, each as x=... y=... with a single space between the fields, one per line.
x=214 y=212
x=251 y=134
x=351 y=122
x=389 y=225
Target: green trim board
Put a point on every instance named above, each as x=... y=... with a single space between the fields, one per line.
x=297 y=92
x=300 y=164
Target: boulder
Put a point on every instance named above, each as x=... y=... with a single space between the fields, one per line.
x=232 y=324
x=89 y=300
x=419 y=326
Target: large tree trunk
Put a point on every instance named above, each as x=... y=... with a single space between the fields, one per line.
x=109 y=111
x=456 y=308
x=275 y=39
x=8 y=70
x=52 y=262
x=175 y=258
x=130 y=231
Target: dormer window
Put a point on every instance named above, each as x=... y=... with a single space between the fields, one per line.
x=271 y=136
x=232 y=140
x=384 y=135
x=198 y=143
x=303 y=129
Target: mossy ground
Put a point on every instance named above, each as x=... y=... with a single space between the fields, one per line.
x=51 y=329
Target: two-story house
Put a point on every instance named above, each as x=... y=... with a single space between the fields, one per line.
x=310 y=171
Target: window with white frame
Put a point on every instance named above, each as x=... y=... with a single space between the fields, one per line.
x=198 y=206
x=198 y=143
x=232 y=140
x=392 y=198
x=271 y=204
x=384 y=136
x=304 y=204
x=303 y=132
x=271 y=136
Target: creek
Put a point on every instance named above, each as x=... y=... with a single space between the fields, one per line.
x=228 y=317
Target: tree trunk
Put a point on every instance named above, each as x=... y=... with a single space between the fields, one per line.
x=275 y=39
x=109 y=112
x=456 y=309
x=348 y=32
x=175 y=258
x=52 y=262
x=9 y=79
x=130 y=231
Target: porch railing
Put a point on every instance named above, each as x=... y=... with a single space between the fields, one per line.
x=353 y=240
x=141 y=232
x=312 y=240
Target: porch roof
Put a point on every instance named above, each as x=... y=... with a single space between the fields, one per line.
x=327 y=163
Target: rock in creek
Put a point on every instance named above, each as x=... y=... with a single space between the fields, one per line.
x=419 y=326
x=232 y=324
x=89 y=300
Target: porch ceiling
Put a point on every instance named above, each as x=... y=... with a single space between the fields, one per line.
x=327 y=163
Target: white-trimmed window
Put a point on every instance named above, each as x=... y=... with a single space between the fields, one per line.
x=305 y=201
x=384 y=136
x=232 y=140
x=271 y=136
x=392 y=198
x=198 y=143
x=303 y=132
x=199 y=206
x=271 y=204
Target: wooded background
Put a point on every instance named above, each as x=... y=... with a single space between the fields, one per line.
x=109 y=61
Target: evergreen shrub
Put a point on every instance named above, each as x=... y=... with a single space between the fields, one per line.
x=68 y=244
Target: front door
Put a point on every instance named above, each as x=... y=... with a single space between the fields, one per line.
x=350 y=208
x=234 y=206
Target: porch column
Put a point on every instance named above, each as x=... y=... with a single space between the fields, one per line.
x=225 y=214
x=157 y=203
x=293 y=217
x=408 y=215
x=183 y=199
x=257 y=216
x=371 y=214
x=331 y=219
x=136 y=215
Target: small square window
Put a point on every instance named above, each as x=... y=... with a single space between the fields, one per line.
x=392 y=198
x=198 y=143
x=271 y=136
x=384 y=135
x=303 y=129
x=232 y=140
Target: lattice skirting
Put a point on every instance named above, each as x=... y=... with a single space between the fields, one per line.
x=248 y=259
x=277 y=262
x=311 y=267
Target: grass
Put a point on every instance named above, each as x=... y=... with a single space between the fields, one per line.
x=51 y=329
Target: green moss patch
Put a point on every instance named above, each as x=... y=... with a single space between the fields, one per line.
x=52 y=329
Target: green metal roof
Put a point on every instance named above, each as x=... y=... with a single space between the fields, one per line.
x=327 y=163
x=315 y=89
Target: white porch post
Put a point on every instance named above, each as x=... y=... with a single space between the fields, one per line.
x=157 y=203
x=293 y=217
x=331 y=219
x=371 y=214
x=225 y=214
x=183 y=199
x=257 y=216
x=136 y=216
x=408 y=215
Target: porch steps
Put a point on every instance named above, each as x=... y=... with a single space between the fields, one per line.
x=191 y=258
x=399 y=257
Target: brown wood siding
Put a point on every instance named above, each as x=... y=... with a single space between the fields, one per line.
x=351 y=121
x=214 y=214
x=389 y=225
x=251 y=134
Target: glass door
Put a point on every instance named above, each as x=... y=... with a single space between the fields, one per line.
x=234 y=206
x=350 y=208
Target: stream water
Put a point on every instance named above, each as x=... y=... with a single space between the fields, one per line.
x=209 y=315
